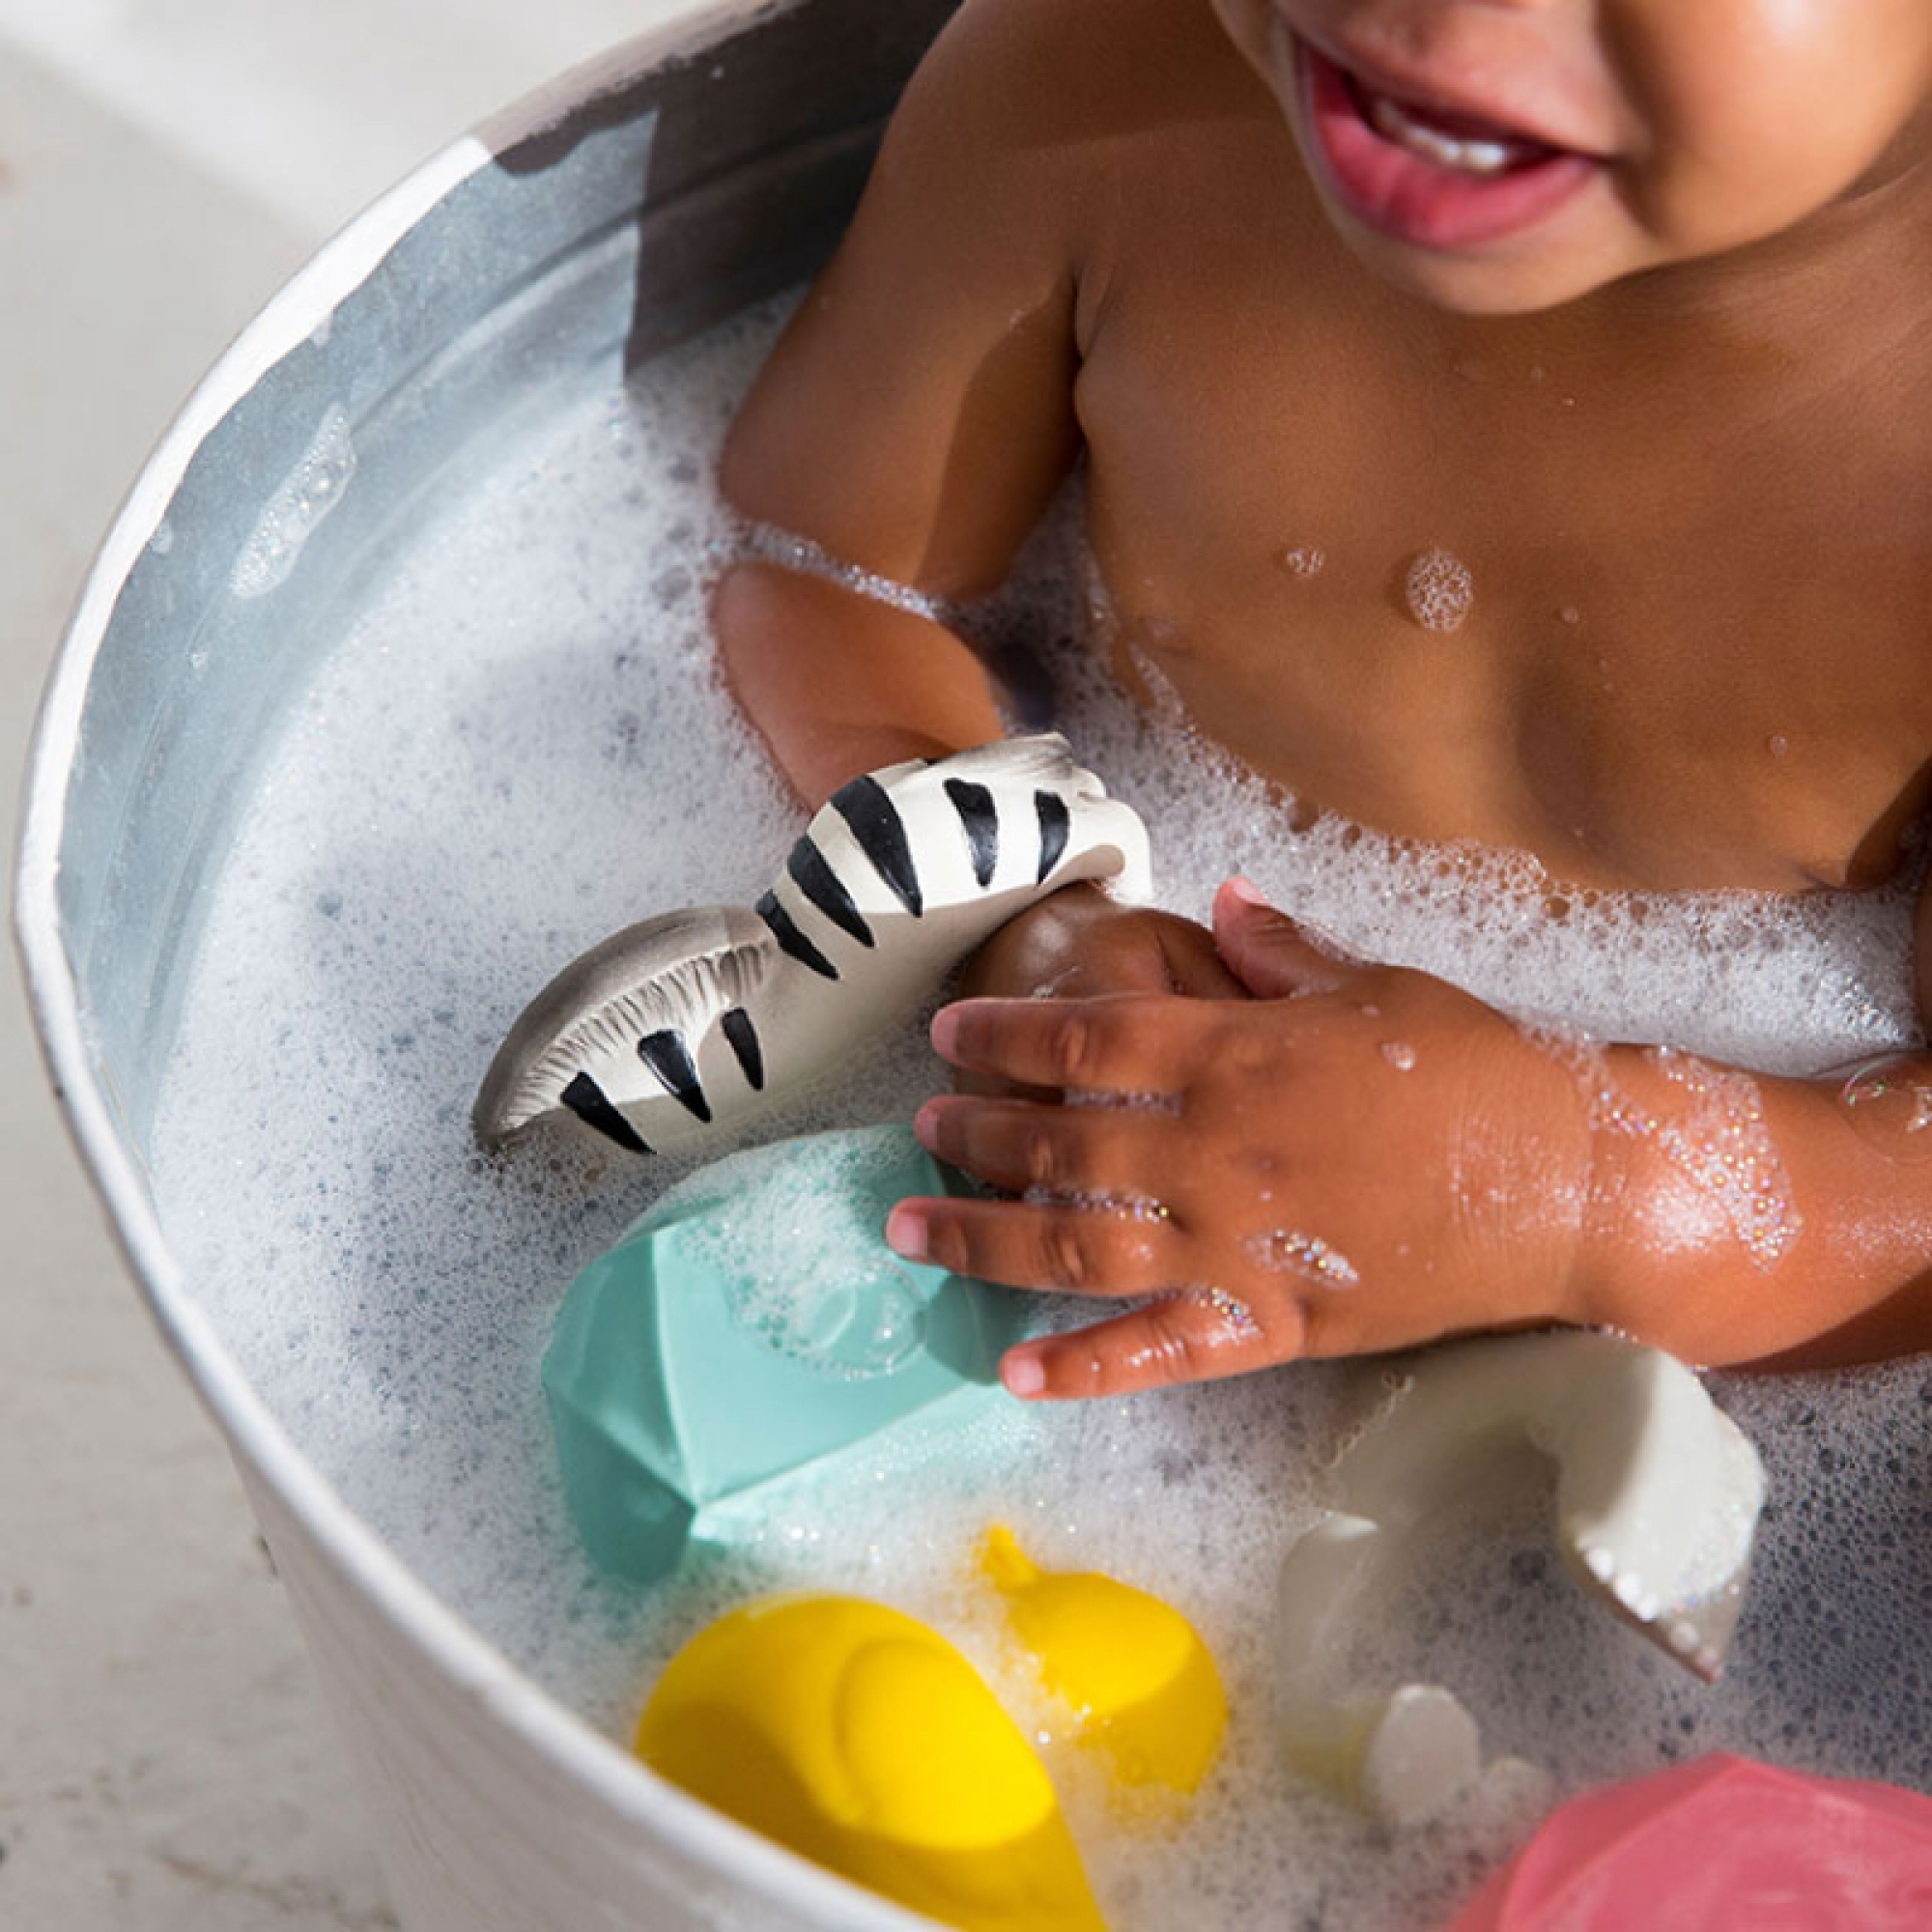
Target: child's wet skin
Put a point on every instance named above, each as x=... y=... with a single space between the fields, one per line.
x=1502 y=425
x=1484 y=1185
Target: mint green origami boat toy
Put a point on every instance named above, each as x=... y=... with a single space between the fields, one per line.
x=751 y=1323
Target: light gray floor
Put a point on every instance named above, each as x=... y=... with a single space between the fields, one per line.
x=164 y=1760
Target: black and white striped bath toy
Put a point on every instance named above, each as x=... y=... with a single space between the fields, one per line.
x=685 y=1024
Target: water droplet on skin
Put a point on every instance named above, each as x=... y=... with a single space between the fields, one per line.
x=1569 y=616
x=1400 y=1055
x=1778 y=743
x=1439 y=590
x=1303 y=561
x=1888 y=1103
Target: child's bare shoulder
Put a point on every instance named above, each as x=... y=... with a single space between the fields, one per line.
x=1061 y=81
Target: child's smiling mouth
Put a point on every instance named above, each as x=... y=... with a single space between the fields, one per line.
x=1424 y=174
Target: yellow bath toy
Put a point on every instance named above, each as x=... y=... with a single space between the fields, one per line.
x=864 y=1740
x=1140 y=1679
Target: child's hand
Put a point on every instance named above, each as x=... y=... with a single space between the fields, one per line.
x=1354 y=1158
x=1079 y=944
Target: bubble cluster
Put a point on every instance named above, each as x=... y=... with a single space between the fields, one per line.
x=1289 y=1251
x=807 y=1274
x=1122 y=1206
x=517 y=745
x=1717 y=1138
x=1439 y=590
x=1305 y=561
x=1236 y=1316
x=307 y=495
x=1721 y=1143
x=766 y=543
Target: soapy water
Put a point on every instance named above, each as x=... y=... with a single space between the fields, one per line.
x=520 y=746
x=787 y=1252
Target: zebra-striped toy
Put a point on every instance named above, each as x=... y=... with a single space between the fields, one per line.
x=683 y=1025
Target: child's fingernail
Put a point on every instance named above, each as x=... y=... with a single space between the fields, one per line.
x=1246 y=890
x=906 y=1232
x=945 y=1031
x=1022 y=1374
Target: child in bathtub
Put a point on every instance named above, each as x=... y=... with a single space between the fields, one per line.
x=1505 y=420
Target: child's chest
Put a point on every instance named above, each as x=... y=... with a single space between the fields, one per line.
x=1661 y=626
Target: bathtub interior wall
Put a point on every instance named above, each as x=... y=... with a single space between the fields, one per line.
x=645 y=210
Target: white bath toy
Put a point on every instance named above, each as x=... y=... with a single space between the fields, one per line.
x=1658 y=1494
x=674 y=1029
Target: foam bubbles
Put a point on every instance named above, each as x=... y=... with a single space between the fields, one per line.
x=306 y=496
x=1439 y=590
x=772 y=544
x=1234 y=1314
x=808 y=1277
x=1722 y=1143
x=1717 y=1137
x=1289 y=1251
x=520 y=746
x=1781 y=984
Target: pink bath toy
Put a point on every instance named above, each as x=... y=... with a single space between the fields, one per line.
x=1723 y=1844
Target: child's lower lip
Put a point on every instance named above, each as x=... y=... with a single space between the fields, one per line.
x=1410 y=198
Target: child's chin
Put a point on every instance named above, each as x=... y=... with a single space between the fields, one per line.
x=1523 y=282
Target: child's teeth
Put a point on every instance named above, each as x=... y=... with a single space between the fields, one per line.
x=1476 y=158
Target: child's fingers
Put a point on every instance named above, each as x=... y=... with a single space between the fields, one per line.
x=1020 y=1145
x=1190 y=1337
x=1078 y=1250
x=1266 y=951
x=1118 y=1043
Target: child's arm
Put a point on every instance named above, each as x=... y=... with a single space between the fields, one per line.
x=913 y=423
x=917 y=414
x=1363 y=1159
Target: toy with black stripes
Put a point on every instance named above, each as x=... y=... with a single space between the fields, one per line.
x=679 y=1028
